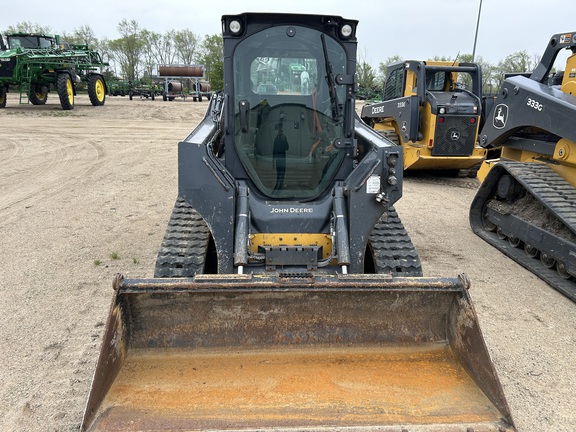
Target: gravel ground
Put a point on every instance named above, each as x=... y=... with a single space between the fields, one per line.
x=87 y=193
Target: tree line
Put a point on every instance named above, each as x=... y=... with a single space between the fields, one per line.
x=138 y=51
x=371 y=79
x=136 y=54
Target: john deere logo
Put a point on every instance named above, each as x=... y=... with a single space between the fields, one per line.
x=500 y=116
x=454 y=135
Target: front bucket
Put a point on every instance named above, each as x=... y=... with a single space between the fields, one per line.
x=253 y=353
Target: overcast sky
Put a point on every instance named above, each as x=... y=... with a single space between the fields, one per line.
x=416 y=29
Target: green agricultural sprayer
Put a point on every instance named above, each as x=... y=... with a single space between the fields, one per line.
x=37 y=63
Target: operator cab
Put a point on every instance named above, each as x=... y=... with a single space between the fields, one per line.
x=30 y=41
x=285 y=115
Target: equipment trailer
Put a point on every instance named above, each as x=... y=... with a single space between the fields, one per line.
x=36 y=62
x=287 y=295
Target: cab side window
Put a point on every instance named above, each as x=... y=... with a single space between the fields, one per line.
x=394 y=86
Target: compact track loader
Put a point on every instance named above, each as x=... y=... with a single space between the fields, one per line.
x=287 y=295
x=526 y=205
x=434 y=110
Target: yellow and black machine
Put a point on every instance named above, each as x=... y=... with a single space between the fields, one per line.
x=287 y=294
x=526 y=204
x=434 y=110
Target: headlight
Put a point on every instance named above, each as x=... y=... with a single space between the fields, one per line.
x=442 y=110
x=346 y=30
x=235 y=26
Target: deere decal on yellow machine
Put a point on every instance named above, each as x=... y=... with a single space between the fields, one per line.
x=287 y=294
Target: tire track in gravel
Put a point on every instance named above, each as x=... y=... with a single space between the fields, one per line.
x=9 y=149
x=70 y=356
x=34 y=174
x=71 y=347
x=75 y=186
x=58 y=165
x=55 y=393
x=54 y=299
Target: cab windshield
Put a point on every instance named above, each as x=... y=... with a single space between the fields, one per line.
x=285 y=123
x=31 y=41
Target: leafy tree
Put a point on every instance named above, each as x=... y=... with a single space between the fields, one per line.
x=158 y=49
x=212 y=57
x=28 y=27
x=366 y=75
x=217 y=76
x=85 y=35
x=367 y=84
x=487 y=69
x=489 y=72
x=128 y=50
x=444 y=58
x=149 y=52
x=138 y=51
x=383 y=67
x=186 y=43
x=82 y=35
x=105 y=51
x=519 y=61
x=467 y=58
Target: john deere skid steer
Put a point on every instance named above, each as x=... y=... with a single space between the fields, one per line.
x=433 y=109
x=287 y=295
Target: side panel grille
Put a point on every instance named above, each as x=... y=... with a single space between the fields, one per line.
x=455 y=137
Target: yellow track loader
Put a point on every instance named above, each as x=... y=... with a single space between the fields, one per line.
x=433 y=109
x=287 y=294
x=525 y=205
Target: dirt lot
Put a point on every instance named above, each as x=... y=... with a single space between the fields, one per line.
x=87 y=193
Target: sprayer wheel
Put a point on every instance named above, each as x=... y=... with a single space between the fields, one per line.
x=37 y=95
x=96 y=90
x=65 y=91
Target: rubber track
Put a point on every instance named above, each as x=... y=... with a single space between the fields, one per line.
x=185 y=244
x=393 y=249
x=183 y=250
x=554 y=193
